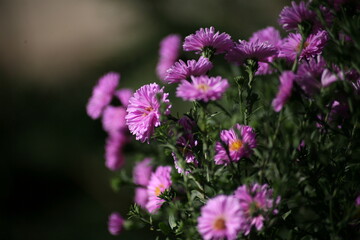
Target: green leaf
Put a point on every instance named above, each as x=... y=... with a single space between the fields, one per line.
x=285 y=215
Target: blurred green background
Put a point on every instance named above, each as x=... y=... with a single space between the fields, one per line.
x=52 y=52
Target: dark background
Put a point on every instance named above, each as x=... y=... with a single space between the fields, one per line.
x=55 y=184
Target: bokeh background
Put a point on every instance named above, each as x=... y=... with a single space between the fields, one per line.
x=54 y=181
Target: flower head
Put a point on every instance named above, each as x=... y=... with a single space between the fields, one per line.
x=141 y=196
x=312 y=47
x=142 y=172
x=124 y=95
x=239 y=142
x=113 y=119
x=202 y=88
x=291 y=17
x=168 y=54
x=182 y=71
x=143 y=112
x=208 y=38
x=284 y=93
x=220 y=218
x=328 y=77
x=259 y=51
x=256 y=203
x=102 y=94
x=114 y=157
x=115 y=223
x=160 y=181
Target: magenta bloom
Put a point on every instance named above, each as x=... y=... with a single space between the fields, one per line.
x=115 y=223
x=124 y=95
x=202 y=88
x=309 y=74
x=313 y=46
x=291 y=17
x=284 y=93
x=113 y=119
x=357 y=201
x=168 y=53
x=102 y=94
x=259 y=51
x=142 y=172
x=159 y=182
x=141 y=196
x=143 y=112
x=220 y=218
x=240 y=140
x=328 y=77
x=182 y=71
x=219 y=42
x=114 y=157
x=256 y=203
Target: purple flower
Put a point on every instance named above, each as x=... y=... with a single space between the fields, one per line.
x=113 y=119
x=259 y=51
x=220 y=218
x=202 y=88
x=159 y=182
x=284 y=93
x=115 y=223
x=256 y=203
x=187 y=124
x=328 y=77
x=357 y=201
x=142 y=172
x=182 y=71
x=291 y=17
x=141 y=196
x=102 y=94
x=312 y=47
x=168 y=54
x=143 y=112
x=124 y=95
x=208 y=38
x=114 y=157
x=239 y=142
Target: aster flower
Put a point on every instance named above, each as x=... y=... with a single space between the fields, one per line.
x=143 y=112
x=220 y=218
x=102 y=94
x=291 y=17
x=208 y=38
x=141 y=196
x=115 y=223
x=160 y=181
x=168 y=53
x=202 y=88
x=284 y=93
x=113 y=119
x=239 y=141
x=114 y=157
x=124 y=95
x=259 y=51
x=142 y=172
x=256 y=203
x=182 y=71
x=327 y=77
x=313 y=46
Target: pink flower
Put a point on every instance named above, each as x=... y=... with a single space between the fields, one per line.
x=259 y=51
x=168 y=54
x=115 y=223
x=160 y=181
x=220 y=218
x=208 y=38
x=114 y=157
x=141 y=196
x=313 y=46
x=113 y=119
x=182 y=71
x=256 y=203
x=202 y=88
x=284 y=93
x=239 y=142
x=328 y=77
x=102 y=94
x=291 y=17
x=142 y=172
x=124 y=95
x=143 y=112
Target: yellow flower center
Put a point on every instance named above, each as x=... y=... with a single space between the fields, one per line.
x=203 y=87
x=235 y=145
x=306 y=44
x=219 y=224
x=147 y=109
x=158 y=189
